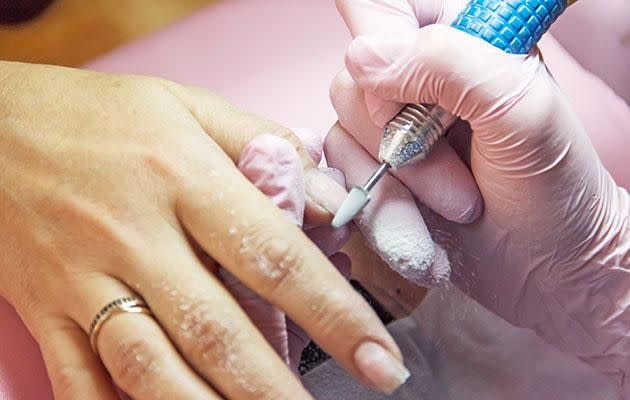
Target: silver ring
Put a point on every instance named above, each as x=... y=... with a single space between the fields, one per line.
x=129 y=304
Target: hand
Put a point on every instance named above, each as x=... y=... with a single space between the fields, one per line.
x=114 y=186
x=551 y=251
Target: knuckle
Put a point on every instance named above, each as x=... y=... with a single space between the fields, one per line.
x=272 y=259
x=206 y=338
x=134 y=364
x=64 y=379
x=336 y=312
x=147 y=94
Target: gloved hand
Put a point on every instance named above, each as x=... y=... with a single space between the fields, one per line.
x=551 y=251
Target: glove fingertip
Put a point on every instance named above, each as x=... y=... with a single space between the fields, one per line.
x=274 y=167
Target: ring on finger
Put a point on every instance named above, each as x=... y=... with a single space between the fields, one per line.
x=128 y=304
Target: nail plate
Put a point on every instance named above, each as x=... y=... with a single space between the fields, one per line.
x=324 y=190
x=382 y=369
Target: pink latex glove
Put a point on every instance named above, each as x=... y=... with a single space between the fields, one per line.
x=274 y=167
x=552 y=250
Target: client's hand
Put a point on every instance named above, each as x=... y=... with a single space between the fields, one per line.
x=552 y=249
x=115 y=187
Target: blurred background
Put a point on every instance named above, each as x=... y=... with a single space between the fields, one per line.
x=72 y=32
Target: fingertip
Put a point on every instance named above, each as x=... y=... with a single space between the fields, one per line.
x=472 y=213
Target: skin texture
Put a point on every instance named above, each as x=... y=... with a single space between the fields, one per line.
x=440 y=182
x=115 y=185
x=551 y=250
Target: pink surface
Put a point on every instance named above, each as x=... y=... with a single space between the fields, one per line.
x=274 y=57
x=256 y=53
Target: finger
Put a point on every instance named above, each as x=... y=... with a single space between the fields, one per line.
x=298 y=339
x=400 y=17
x=369 y=16
x=427 y=68
x=136 y=352
x=208 y=326
x=74 y=371
x=328 y=239
x=268 y=253
x=364 y=17
x=391 y=223
x=233 y=129
x=270 y=321
x=442 y=181
x=273 y=166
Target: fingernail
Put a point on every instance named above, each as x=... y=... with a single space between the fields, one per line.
x=472 y=213
x=324 y=190
x=381 y=368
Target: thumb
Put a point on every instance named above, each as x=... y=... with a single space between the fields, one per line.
x=441 y=65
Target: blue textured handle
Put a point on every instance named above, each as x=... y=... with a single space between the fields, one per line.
x=514 y=26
